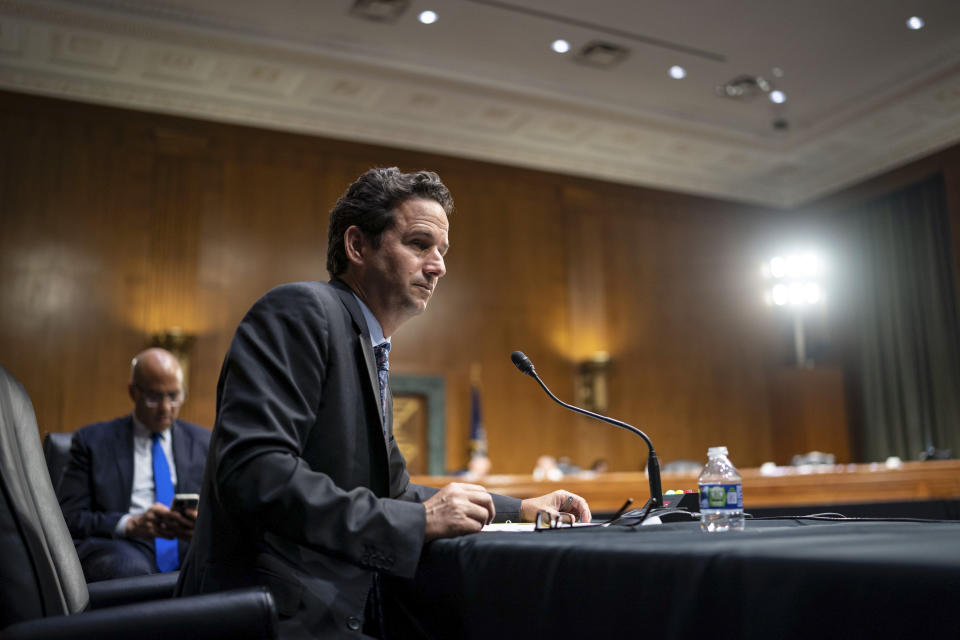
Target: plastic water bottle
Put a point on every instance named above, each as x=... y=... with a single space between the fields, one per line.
x=721 y=493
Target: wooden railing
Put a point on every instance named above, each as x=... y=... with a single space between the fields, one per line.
x=780 y=487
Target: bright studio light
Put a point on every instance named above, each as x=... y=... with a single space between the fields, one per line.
x=560 y=46
x=778 y=267
x=915 y=23
x=795 y=294
x=780 y=295
x=778 y=97
x=427 y=17
x=796 y=279
x=794 y=266
x=812 y=293
x=677 y=72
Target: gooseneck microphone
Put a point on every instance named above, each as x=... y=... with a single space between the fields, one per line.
x=523 y=363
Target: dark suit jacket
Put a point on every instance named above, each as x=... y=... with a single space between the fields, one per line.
x=305 y=490
x=98 y=482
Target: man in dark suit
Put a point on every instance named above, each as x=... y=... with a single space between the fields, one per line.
x=305 y=489
x=115 y=492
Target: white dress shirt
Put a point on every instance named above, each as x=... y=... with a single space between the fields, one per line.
x=373 y=325
x=144 y=492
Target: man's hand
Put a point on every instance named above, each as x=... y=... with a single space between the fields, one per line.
x=556 y=502
x=183 y=525
x=458 y=509
x=160 y=522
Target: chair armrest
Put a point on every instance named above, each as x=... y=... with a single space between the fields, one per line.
x=121 y=591
x=242 y=614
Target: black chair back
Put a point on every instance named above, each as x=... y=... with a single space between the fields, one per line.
x=41 y=581
x=40 y=574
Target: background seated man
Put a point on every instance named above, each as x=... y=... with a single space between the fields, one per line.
x=122 y=475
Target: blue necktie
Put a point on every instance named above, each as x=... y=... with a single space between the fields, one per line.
x=382 y=351
x=168 y=558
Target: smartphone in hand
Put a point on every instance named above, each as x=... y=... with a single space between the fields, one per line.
x=183 y=501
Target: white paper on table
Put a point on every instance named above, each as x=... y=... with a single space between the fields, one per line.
x=509 y=526
x=528 y=526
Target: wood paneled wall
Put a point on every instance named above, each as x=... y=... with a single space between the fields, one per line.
x=117 y=224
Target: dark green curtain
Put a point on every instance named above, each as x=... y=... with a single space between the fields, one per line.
x=905 y=322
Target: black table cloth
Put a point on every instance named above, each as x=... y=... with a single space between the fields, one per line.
x=776 y=579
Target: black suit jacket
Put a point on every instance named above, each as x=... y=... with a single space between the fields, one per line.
x=97 y=484
x=305 y=491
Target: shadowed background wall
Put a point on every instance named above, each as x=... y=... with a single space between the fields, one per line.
x=118 y=224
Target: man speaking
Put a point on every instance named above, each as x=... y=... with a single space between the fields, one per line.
x=305 y=489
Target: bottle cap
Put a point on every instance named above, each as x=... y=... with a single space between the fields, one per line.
x=716 y=451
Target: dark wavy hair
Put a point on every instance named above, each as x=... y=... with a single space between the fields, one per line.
x=370 y=203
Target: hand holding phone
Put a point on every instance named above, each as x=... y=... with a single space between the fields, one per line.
x=184 y=501
x=161 y=521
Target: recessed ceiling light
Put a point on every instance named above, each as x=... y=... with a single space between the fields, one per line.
x=427 y=17
x=915 y=23
x=778 y=97
x=560 y=46
x=777 y=72
x=677 y=72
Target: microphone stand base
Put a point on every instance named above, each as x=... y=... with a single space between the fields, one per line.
x=674 y=514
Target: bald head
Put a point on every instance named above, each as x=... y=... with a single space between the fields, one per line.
x=152 y=363
x=156 y=388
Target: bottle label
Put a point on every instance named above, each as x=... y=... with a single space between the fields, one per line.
x=721 y=496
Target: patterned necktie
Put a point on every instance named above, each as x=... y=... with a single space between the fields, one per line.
x=382 y=351
x=168 y=558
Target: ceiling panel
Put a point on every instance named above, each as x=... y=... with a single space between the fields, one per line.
x=864 y=92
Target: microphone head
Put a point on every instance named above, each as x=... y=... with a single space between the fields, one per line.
x=522 y=362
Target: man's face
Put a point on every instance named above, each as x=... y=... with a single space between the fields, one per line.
x=403 y=271
x=157 y=393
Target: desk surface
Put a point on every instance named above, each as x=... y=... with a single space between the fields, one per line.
x=776 y=579
x=788 y=486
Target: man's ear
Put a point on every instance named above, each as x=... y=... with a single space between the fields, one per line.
x=130 y=388
x=355 y=243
